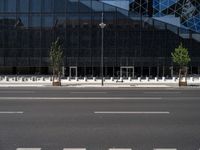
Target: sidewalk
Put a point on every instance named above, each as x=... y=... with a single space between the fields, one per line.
x=84 y=82
x=78 y=84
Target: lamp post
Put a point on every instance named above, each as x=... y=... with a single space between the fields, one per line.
x=102 y=25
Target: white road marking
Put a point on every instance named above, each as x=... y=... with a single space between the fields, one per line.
x=74 y=149
x=78 y=98
x=132 y=112
x=120 y=149
x=11 y=112
x=28 y=148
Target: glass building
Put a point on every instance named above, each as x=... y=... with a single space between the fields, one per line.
x=138 y=38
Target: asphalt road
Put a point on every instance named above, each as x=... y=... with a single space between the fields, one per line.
x=99 y=118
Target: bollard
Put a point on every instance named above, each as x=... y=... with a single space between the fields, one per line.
x=68 y=79
x=129 y=78
x=76 y=78
x=85 y=79
x=147 y=79
x=94 y=78
x=174 y=79
x=156 y=79
x=139 y=79
x=191 y=79
x=163 y=79
x=111 y=79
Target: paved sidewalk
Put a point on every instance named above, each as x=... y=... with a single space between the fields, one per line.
x=82 y=85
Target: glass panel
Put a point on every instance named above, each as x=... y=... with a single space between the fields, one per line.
x=85 y=5
x=9 y=20
x=85 y=20
x=47 y=6
x=35 y=5
x=60 y=21
x=47 y=21
x=72 y=5
x=10 y=5
x=23 y=20
x=23 y=5
x=60 y=6
x=109 y=8
x=1 y=5
x=74 y=20
x=35 y=21
x=97 y=6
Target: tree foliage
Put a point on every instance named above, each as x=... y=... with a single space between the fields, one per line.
x=180 y=56
x=56 y=56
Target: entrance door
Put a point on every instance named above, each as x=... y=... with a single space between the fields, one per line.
x=127 y=71
x=72 y=71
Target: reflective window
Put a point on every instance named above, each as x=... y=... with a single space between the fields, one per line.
x=85 y=20
x=109 y=8
x=61 y=6
x=85 y=5
x=1 y=5
x=23 y=5
x=9 y=20
x=10 y=5
x=47 y=21
x=97 y=6
x=23 y=20
x=60 y=21
x=35 y=5
x=47 y=6
x=72 y=5
x=35 y=21
x=74 y=20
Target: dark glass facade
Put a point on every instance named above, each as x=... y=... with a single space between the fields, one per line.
x=28 y=27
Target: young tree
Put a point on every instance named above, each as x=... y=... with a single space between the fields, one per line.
x=181 y=57
x=56 y=59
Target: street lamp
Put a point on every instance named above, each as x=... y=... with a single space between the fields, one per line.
x=102 y=25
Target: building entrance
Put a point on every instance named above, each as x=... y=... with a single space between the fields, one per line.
x=127 y=71
x=73 y=71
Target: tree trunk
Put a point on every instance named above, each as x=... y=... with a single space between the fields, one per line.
x=56 y=76
x=183 y=76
